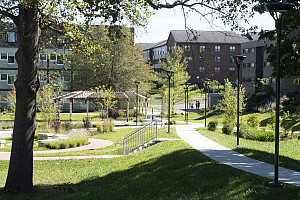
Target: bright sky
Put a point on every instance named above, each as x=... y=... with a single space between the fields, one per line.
x=165 y=20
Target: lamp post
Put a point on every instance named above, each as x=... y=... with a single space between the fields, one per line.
x=169 y=74
x=137 y=99
x=277 y=11
x=206 y=85
x=186 y=101
x=238 y=59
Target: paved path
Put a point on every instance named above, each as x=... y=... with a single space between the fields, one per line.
x=94 y=144
x=232 y=158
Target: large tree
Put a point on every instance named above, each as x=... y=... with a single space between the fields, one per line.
x=30 y=17
x=116 y=61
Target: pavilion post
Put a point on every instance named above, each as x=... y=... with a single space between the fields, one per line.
x=146 y=107
x=71 y=108
x=127 y=112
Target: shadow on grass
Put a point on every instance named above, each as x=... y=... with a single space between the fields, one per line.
x=209 y=114
x=185 y=174
x=284 y=161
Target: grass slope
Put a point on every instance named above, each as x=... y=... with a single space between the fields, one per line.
x=168 y=170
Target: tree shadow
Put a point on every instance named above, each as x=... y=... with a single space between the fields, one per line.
x=184 y=174
x=284 y=161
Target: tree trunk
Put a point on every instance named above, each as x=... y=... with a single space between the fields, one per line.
x=19 y=178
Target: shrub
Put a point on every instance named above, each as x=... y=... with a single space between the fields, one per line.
x=111 y=127
x=227 y=129
x=244 y=131
x=260 y=135
x=212 y=125
x=253 y=120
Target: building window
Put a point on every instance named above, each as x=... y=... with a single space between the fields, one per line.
x=201 y=69
x=267 y=64
x=187 y=58
x=231 y=60
x=53 y=57
x=201 y=59
x=202 y=48
x=217 y=48
x=217 y=59
x=3 y=77
x=252 y=50
x=246 y=65
x=252 y=65
x=232 y=48
x=3 y=56
x=11 y=37
x=187 y=47
x=231 y=69
x=60 y=59
x=217 y=69
x=43 y=56
x=67 y=78
x=11 y=58
x=245 y=50
x=11 y=79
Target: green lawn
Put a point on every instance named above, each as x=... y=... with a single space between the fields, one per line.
x=167 y=170
x=264 y=151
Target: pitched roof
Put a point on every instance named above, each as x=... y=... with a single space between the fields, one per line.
x=199 y=36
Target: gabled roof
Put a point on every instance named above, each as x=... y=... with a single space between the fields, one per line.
x=92 y=95
x=199 y=36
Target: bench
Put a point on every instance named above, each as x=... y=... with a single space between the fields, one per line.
x=45 y=136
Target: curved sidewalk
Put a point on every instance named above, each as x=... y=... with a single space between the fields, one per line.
x=229 y=157
x=94 y=144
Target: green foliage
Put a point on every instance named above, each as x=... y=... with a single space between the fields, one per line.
x=284 y=124
x=229 y=102
x=114 y=63
x=212 y=125
x=11 y=99
x=47 y=107
x=227 y=129
x=175 y=62
x=259 y=135
x=105 y=128
x=272 y=121
x=253 y=120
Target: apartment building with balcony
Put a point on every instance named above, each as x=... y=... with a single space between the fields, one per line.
x=256 y=67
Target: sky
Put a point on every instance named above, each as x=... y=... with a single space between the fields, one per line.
x=164 y=20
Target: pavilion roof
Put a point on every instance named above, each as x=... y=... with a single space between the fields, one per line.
x=87 y=94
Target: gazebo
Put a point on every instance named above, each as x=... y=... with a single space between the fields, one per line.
x=87 y=95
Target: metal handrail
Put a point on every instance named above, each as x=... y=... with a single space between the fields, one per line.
x=139 y=137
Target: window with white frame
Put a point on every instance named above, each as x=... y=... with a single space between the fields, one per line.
x=252 y=65
x=11 y=58
x=217 y=59
x=202 y=48
x=231 y=60
x=217 y=69
x=231 y=69
x=252 y=50
x=201 y=69
x=3 y=56
x=60 y=59
x=10 y=79
x=11 y=37
x=217 y=48
x=201 y=59
x=187 y=47
x=53 y=57
x=245 y=50
x=3 y=77
x=43 y=56
x=232 y=48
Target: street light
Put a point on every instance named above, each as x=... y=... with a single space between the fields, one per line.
x=277 y=11
x=206 y=85
x=238 y=59
x=169 y=74
x=186 y=101
x=137 y=99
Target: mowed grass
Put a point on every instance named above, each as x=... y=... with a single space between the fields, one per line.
x=289 y=151
x=167 y=170
x=117 y=134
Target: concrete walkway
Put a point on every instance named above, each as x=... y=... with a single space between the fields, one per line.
x=232 y=158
